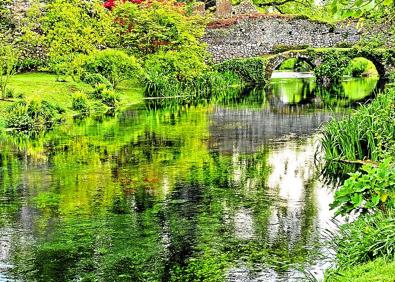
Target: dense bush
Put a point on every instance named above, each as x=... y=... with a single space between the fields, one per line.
x=359 y=67
x=181 y=66
x=371 y=189
x=106 y=95
x=33 y=116
x=114 y=65
x=331 y=69
x=80 y=103
x=66 y=28
x=109 y=98
x=169 y=26
x=94 y=79
x=251 y=70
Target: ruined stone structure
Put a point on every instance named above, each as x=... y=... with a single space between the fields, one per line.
x=254 y=35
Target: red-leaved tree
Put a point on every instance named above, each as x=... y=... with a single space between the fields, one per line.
x=109 y=4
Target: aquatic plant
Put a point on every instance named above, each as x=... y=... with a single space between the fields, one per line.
x=207 y=85
x=369 y=133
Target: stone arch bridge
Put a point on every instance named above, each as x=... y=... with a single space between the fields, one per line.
x=383 y=59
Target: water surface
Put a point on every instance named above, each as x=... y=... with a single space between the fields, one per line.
x=224 y=191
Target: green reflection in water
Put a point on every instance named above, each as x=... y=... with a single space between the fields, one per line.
x=184 y=193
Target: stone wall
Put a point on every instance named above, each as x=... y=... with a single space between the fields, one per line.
x=258 y=34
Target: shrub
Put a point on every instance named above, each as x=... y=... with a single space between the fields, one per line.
x=331 y=69
x=170 y=27
x=109 y=98
x=80 y=103
x=116 y=66
x=94 y=79
x=33 y=116
x=98 y=90
x=359 y=67
x=367 y=190
x=251 y=70
x=182 y=65
x=65 y=28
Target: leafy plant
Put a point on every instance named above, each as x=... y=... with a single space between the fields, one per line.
x=330 y=71
x=368 y=238
x=94 y=79
x=169 y=26
x=251 y=70
x=66 y=28
x=33 y=116
x=372 y=188
x=183 y=65
x=8 y=60
x=115 y=66
x=80 y=103
x=109 y=98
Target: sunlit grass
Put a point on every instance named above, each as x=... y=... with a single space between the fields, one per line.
x=44 y=86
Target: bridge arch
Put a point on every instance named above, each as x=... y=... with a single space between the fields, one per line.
x=315 y=57
x=275 y=62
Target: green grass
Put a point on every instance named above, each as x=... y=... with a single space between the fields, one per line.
x=45 y=87
x=377 y=270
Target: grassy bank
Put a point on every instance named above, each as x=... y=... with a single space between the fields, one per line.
x=377 y=270
x=44 y=86
x=365 y=246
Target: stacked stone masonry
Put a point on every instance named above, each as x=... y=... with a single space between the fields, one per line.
x=255 y=35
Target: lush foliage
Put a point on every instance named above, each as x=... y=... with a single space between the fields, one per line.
x=33 y=116
x=361 y=8
x=113 y=65
x=207 y=85
x=367 y=238
x=66 y=28
x=331 y=69
x=377 y=270
x=182 y=65
x=360 y=67
x=5 y=18
x=80 y=103
x=368 y=133
x=249 y=70
x=94 y=78
x=8 y=60
x=157 y=25
x=367 y=190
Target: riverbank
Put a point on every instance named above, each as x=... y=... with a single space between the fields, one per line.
x=364 y=245
x=44 y=86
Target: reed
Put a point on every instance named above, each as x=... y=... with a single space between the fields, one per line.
x=210 y=84
x=369 y=133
